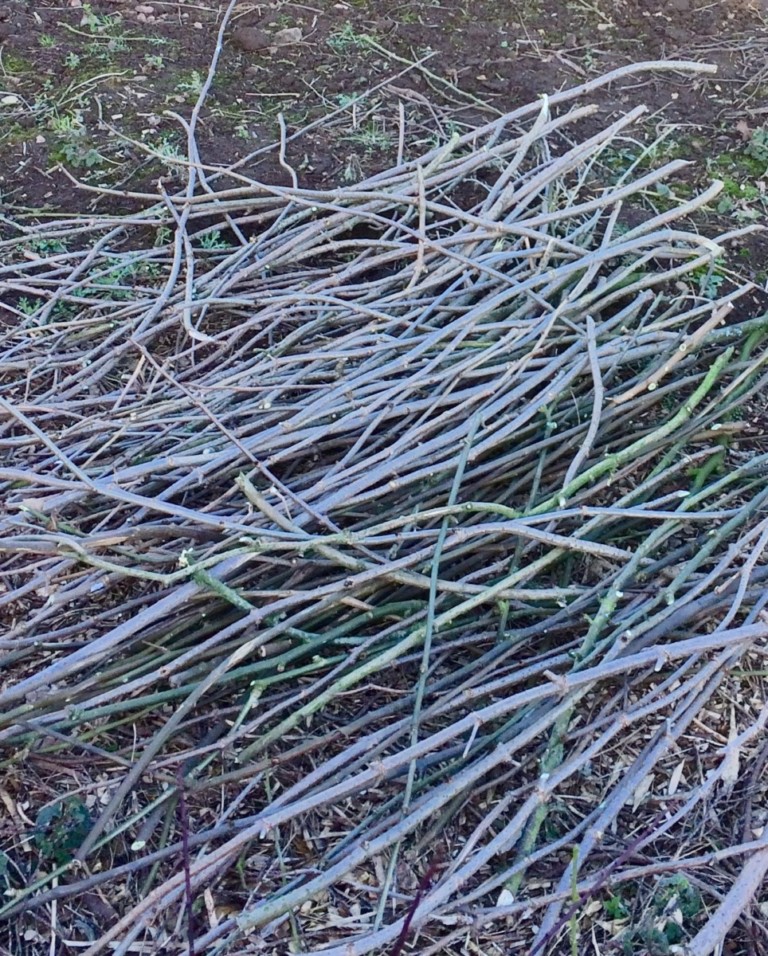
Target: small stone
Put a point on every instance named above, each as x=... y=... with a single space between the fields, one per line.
x=10 y=99
x=144 y=8
x=287 y=37
x=40 y=139
x=251 y=39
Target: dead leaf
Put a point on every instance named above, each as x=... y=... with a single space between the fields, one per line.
x=730 y=766
x=744 y=130
x=674 y=780
x=641 y=790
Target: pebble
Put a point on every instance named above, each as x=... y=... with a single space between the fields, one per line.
x=251 y=39
x=288 y=36
x=144 y=8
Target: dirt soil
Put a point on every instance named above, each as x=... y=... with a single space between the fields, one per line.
x=92 y=88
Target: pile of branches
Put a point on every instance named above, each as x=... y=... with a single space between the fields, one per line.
x=369 y=554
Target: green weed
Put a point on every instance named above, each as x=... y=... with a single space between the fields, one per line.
x=169 y=154
x=60 y=829
x=671 y=919
x=46 y=246
x=192 y=85
x=28 y=306
x=345 y=39
x=74 y=145
x=98 y=23
x=757 y=147
x=153 y=61
x=213 y=240
x=709 y=279
x=373 y=134
x=614 y=908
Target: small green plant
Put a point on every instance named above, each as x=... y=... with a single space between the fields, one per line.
x=60 y=829
x=99 y=22
x=66 y=124
x=163 y=236
x=107 y=32
x=213 y=240
x=677 y=893
x=46 y=246
x=757 y=147
x=28 y=306
x=117 y=45
x=346 y=99
x=614 y=908
x=47 y=41
x=371 y=135
x=192 y=86
x=645 y=939
x=709 y=279
x=148 y=270
x=153 y=61
x=74 y=145
x=72 y=60
x=169 y=154
x=84 y=157
x=670 y=920
x=13 y=65
x=346 y=38
x=116 y=282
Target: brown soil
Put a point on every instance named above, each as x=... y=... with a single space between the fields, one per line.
x=78 y=79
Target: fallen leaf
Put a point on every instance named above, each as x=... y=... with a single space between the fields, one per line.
x=730 y=766
x=744 y=130
x=641 y=790
x=505 y=898
x=674 y=780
